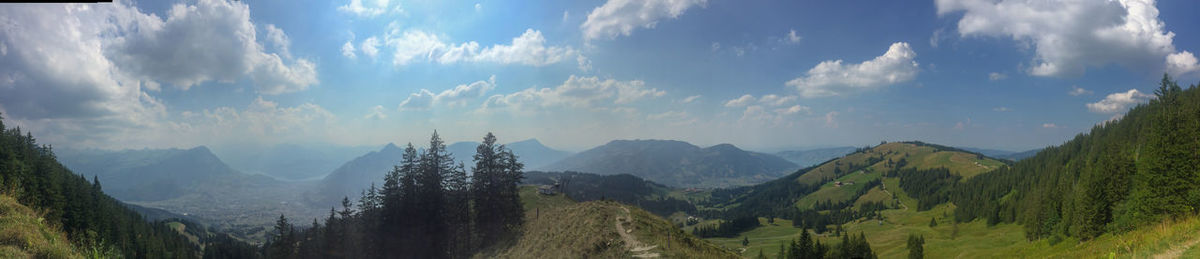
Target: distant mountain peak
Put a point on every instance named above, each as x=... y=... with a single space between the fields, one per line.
x=677 y=163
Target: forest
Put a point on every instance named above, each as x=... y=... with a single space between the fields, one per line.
x=427 y=208
x=93 y=221
x=1125 y=173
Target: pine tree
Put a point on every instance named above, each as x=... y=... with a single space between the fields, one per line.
x=916 y=247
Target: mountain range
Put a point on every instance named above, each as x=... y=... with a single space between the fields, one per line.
x=677 y=163
x=811 y=157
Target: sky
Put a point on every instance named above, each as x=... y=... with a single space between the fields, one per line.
x=762 y=75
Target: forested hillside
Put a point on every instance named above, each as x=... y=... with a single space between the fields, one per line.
x=1129 y=172
x=92 y=220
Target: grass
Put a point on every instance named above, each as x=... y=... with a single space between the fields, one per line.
x=25 y=234
x=556 y=227
x=976 y=239
x=831 y=192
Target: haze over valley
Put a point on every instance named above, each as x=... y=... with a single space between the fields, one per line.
x=600 y=129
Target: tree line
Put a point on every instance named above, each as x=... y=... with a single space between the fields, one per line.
x=97 y=224
x=427 y=208
x=1124 y=173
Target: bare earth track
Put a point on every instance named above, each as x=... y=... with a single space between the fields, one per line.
x=637 y=248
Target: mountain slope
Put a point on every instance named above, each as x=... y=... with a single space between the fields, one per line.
x=24 y=235
x=677 y=163
x=355 y=176
x=154 y=174
x=558 y=228
x=531 y=152
x=810 y=157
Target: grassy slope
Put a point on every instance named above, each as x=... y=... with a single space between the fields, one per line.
x=557 y=227
x=23 y=234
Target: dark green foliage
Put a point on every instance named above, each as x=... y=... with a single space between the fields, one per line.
x=727 y=228
x=1124 y=173
x=623 y=188
x=808 y=247
x=30 y=173
x=930 y=187
x=427 y=208
x=916 y=247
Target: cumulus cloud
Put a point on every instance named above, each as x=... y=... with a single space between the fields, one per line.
x=1049 y=126
x=527 y=49
x=348 y=50
x=831 y=119
x=1077 y=91
x=1001 y=109
x=211 y=40
x=794 y=109
x=370 y=46
x=577 y=92
x=1118 y=102
x=620 y=17
x=831 y=78
x=371 y=8
x=1182 y=63
x=454 y=97
x=1068 y=36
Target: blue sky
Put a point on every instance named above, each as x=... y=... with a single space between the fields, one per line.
x=762 y=75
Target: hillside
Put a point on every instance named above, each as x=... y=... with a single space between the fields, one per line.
x=810 y=157
x=155 y=174
x=195 y=184
x=599 y=229
x=350 y=179
x=677 y=163
x=23 y=234
x=531 y=152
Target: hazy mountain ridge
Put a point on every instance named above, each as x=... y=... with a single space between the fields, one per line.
x=810 y=157
x=677 y=163
x=290 y=161
x=154 y=174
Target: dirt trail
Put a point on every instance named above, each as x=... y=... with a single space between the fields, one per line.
x=884 y=188
x=637 y=248
x=1177 y=251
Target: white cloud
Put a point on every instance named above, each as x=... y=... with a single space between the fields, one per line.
x=1049 y=126
x=577 y=92
x=377 y=113
x=1182 y=63
x=776 y=100
x=740 y=101
x=795 y=109
x=478 y=7
x=1001 y=109
x=370 y=46
x=830 y=78
x=1118 y=102
x=690 y=99
x=1068 y=36
x=454 y=97
x=792 y=37
x=528 y=49
x=620 y=17
x=371 y=8
x=348 y=50
x=1077 y=91
x=279 y=40
x=211 y=40
x=996 y=76
x=715 y=46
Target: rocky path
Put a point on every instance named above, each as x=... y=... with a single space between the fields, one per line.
x=637 y=248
